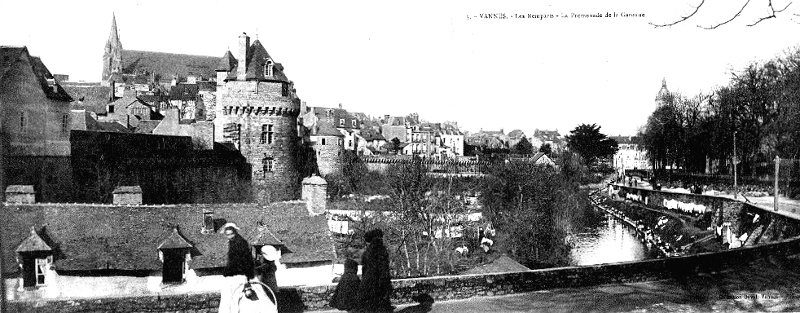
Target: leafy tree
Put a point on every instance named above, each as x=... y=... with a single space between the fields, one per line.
x=394 y=145
x=589 y=143
x=546 y=149
x=523 y=147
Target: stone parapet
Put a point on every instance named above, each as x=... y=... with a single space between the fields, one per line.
x=444 y=287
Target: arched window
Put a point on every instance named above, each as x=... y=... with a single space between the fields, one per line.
x=268 y=68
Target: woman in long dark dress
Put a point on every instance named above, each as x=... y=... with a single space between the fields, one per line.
x=376 y=284
x=345 y=297
x=266 y=268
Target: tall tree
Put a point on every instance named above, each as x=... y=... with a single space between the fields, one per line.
x=523 y=147
x=587 y=141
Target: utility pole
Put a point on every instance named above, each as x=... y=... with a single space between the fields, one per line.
x=777 y=168
x=735 y=172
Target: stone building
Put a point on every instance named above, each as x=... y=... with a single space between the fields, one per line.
x=257 y=110
x=61 y=250
x=36 y=120
x=631 y=154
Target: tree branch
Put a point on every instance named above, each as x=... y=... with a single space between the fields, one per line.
x=683 y=18
x=771 y=15
x=731 y=19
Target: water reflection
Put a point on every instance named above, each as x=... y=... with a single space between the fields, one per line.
x=604 y=239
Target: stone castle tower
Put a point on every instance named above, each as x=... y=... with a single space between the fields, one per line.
x=663 y=97
x=256 y=110
x=112 y=54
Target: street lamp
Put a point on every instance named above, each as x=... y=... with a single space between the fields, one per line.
x=735 y=177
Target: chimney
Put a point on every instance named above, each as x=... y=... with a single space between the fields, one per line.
x=128 y=195
x=208 y=222
x=303 y=107
x=20 y=194
x=315 y=194
x=244 y=44
x=340 y=105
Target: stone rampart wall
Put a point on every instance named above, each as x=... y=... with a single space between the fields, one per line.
x=446 y=287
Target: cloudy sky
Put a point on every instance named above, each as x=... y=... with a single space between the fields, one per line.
x=437 y=58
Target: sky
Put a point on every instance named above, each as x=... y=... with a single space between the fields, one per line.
x=437 y=58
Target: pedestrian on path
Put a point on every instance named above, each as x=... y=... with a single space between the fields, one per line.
x=345 y=297
x=376 y=285
x=239 y=268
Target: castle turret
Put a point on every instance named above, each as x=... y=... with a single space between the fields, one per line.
x=257 y=113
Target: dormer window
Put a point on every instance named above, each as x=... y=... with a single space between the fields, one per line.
x=353 y=122
x=35 y=256
x=175 y=253
x=268 y=69
x=341 y=122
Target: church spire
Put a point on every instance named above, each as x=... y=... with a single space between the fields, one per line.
x=112 y=54
x=113 y=37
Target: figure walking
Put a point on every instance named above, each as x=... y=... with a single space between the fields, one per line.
x=239 y=268
x=345 y=297
x=376 y=284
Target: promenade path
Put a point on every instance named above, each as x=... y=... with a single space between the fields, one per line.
x=764 y=286
x=786 y=207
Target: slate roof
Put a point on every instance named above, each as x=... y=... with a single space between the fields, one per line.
x=324 y=128
x=371 y=134
x=626 y=139
x=175 y=241
x=227 y=62
x=10 y=55
x=33 y=243
x=111 y=127
x=257 y=58
x=166 y=65
x=91 y=97
x=90 y=237
x=184 y=92
x=516 y=134
x=146 y=127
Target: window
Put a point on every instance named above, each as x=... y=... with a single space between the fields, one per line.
x=341 y=122
x=323 y=141
x=266 y=134
x=22 y=120
x=353 y=122
x=285 y=89
x=269 y=164
x=64 y=123
x=41 y=269
x=268 y=68
x=111 y=109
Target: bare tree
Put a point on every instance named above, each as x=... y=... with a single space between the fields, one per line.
x=771 y=13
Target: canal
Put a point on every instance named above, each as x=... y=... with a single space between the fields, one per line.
x=601 y=238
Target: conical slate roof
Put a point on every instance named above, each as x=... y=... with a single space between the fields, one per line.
x=33 y=243
x=227 y=63
x=175 y=241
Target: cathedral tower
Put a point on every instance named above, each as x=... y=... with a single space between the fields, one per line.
x=112 y=55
